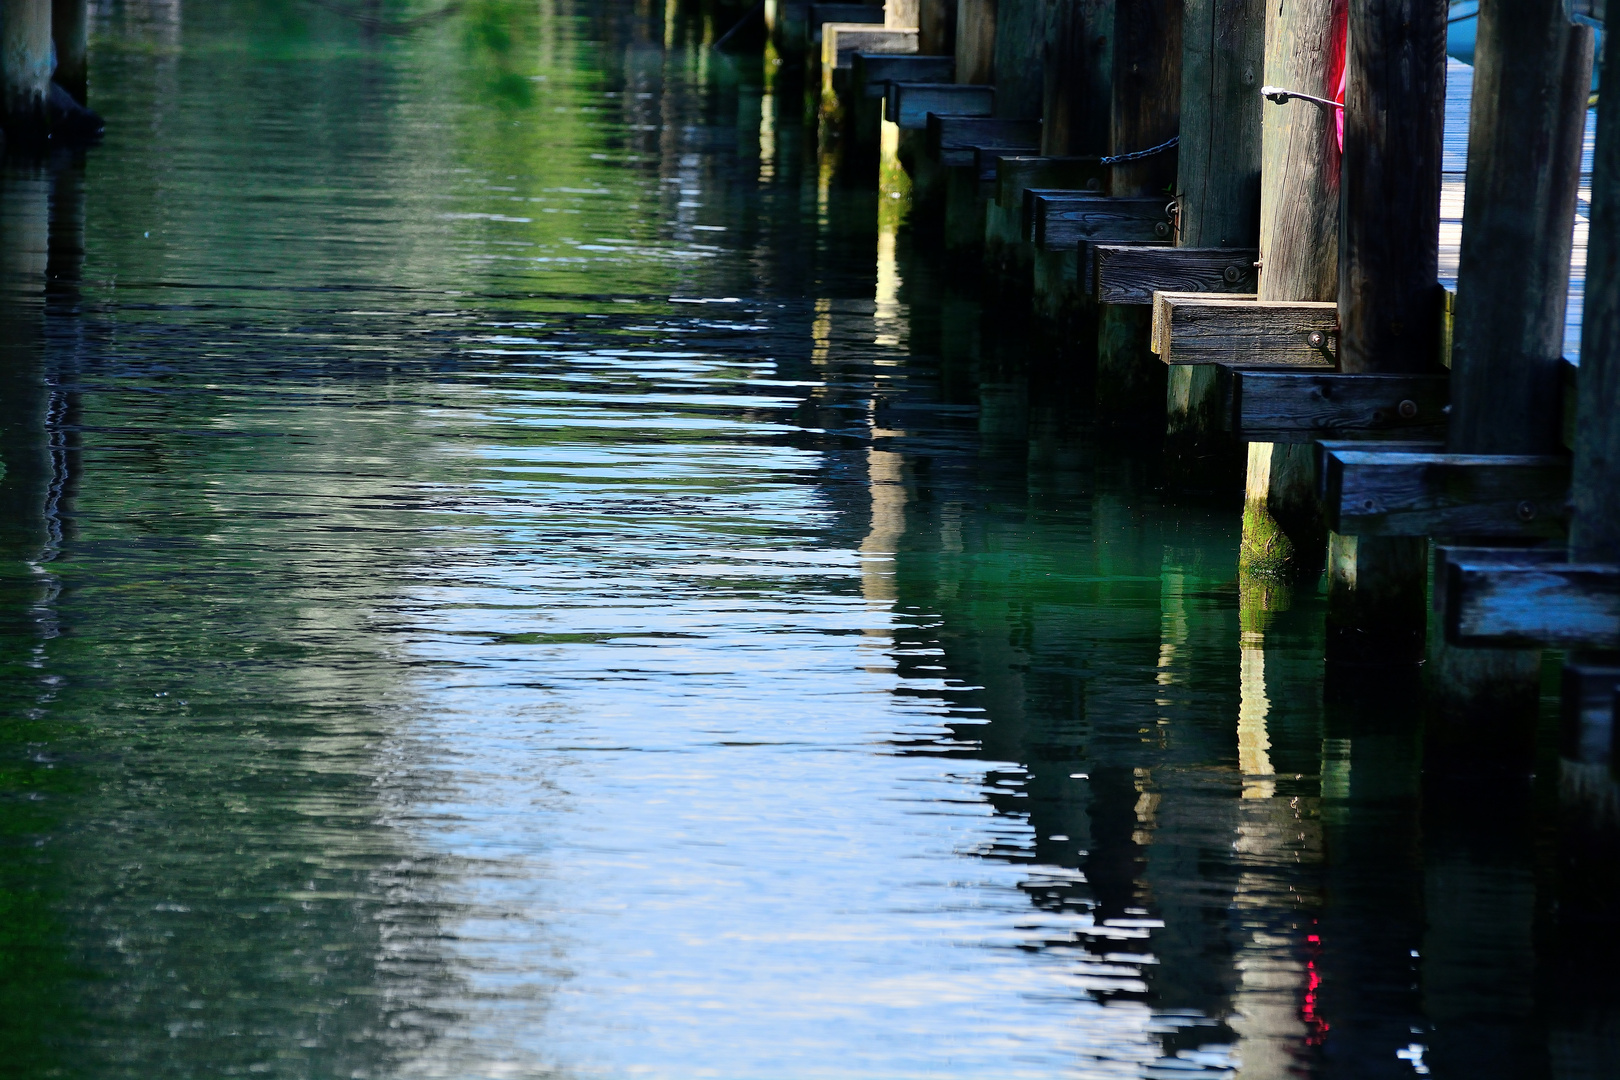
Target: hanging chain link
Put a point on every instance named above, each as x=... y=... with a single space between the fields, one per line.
x=1138 y=155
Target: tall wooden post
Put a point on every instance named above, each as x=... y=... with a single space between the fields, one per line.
x=1217 y=204
x=1020 y=55
x=1299 y=260
x=25 y=67
x=1145 y=113
x=1389 y=295
x=975 y=41
x=900 y=14
x=936 y=27
x=1532 y=73
x=70 y=30
x=1078 y=95
x=1594 y=534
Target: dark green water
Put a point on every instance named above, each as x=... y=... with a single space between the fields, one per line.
x=507 y=573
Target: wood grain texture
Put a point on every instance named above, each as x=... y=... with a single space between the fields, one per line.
x=1020 y=58
x=901 y=14
x=975 y=41
x=1532 y=73
x=1060 y=222
x=1287 y=406
x=872 y=72
x=1218 y=174
x=1299 y=188
x=947 y=132
x=1088 y=261
x=1595 y=531
x=909 y=103
x=1078 y=95
x=841 y=41
x=1131 y=274
x=936 y=28
x=1017 y=174
x=1444 y=554
x=1569 y=605
x=1394 y=126
x=1195 y=328
x=1395 y=493
x=1146 y=98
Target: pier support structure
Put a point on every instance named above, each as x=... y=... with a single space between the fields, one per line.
x=1389 y=296
x=25 y=68
x=1532 y=74
x=975 y=41
x=1283 y=535
x=70 y=30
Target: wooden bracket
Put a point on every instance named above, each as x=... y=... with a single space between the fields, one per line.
x=1524 y=602
x=1196 y=328
x=1015 y=175
x=1388 y=492
x=987 y=160
x=1063 y=220
x=909 y=103
x=874 y=71
x=1132 y=274
x=953 y=140
x=1303 y=406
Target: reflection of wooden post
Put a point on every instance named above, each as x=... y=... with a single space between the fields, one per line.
x=25 y=66
x=70 y=26
x=1389 y=296
x=1146 y=110
x=1532 y=73
x=975 y=41
x=1299 y=260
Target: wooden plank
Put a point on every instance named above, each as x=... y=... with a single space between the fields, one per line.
x=953 y=139
x=1033 y=197
x=1017 y=174
x=1302 y=406
x=822 y=14
x=1060 y=223
x=1445 y=554
x=874 y=71
x=1131 y=274
x=1087 y=265
x=1196 y=328
x=987 y=160
x=1567 y=605
x=1395 y=493
x=841 y=41
x=909 y=103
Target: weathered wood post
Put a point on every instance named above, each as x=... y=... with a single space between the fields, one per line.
x=1389 y=295
x=1145 y=114
x=1299 y=260
x=1217 y=199
x=1020 y=57
x=975 y=41
x=936 y=27
x=25 y=68
x=1533 y=70
x=70 y=30
x=1077 y=95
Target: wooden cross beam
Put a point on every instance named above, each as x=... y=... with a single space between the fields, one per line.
x=1529 y=603
x=1017 y=174
x=1131 y=274
x=874 y=71
x=909 y=103
x=954 y=139
x=1417 y=492
x=841 y=41
x=1195 y=328
x=1303 y=406
x=1062 y=220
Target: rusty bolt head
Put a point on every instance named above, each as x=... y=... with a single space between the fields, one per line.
x=1408 y=409
x=1316 y=339
x=1161 y=229
x=1527 y=511
x=1233 y=274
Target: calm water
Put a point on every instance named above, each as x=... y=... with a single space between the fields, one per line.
x=508 y=571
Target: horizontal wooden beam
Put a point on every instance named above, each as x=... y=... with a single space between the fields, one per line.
x=1015 y=175
x=1303 y=406
x=909 y=103
x=987 y=159
x=1514 y=605
x=1063 y=221
x=1132 y=274
x=841 y=41
x=1380 y=492
x=1196 y=328
x=953 y=140
x=872 y=72
x=1088 y=263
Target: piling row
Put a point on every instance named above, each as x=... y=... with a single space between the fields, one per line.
x=1226 y=214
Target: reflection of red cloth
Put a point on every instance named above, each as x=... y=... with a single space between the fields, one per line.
x=1339 y=54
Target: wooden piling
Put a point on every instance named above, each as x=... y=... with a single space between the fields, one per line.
x=1283 y=535
x=1077 y=96
x=936 y=27
x=1020 y=55
x=975 y=41
x=25 y=68
x=1532 y=74
x=900 y=14
x=1217 y=206
x=1145 y=112
x=1389 y=296
x=70 y=30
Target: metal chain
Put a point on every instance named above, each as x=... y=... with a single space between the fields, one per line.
x=1138 y=155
